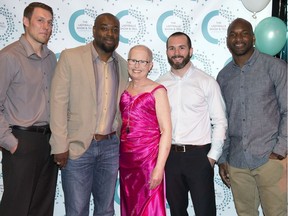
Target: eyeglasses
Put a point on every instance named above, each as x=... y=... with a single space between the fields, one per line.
x=143 y=63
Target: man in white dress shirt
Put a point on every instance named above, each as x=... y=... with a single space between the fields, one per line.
x=199 y=124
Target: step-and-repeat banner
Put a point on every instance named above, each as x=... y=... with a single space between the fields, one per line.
x=147 y=22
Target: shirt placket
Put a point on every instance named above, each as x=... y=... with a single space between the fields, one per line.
x=105 y=100
x=243 y=111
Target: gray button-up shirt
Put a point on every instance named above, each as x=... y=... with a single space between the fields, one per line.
x=256 y=103
x=25 y=81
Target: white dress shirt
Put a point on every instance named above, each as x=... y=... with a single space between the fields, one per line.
x=197 y=110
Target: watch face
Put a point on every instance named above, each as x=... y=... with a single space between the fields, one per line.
x=280 y=157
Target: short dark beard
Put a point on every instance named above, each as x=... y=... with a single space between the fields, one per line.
x=106 y=48
x=178 y=66
x=102 y=46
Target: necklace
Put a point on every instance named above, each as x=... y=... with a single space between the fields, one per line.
x=136 y=94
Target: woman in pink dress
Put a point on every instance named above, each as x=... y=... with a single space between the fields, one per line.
x=145 y=139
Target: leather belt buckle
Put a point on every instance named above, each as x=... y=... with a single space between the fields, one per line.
x=179 y=148
x=100 y=137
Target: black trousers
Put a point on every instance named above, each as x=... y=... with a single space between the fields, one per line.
x=29 y=177
x=190 y=171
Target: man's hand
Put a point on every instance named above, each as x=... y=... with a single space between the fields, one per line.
x=14 y=149
x=224 y=174
x=212 y=162
x=61 y=159
x=276 y=156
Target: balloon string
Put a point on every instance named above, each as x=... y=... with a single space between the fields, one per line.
x=254 y=15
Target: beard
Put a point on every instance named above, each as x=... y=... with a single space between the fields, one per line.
x=104 y=47
x=179 y=65
x=107 y=49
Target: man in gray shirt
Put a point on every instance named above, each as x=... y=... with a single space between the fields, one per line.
x=254 y=159
x=27 y=65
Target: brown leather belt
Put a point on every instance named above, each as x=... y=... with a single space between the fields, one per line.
x=185 y=148
x=100 y=137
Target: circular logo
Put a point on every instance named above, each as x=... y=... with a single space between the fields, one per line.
x=205 y=23
x=80 y=27
x=133 y=25
x=172 y=21
x=215 y=24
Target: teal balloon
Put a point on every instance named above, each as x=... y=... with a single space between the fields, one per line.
x=270 y=34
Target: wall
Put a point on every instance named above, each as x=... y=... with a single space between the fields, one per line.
x=147 y=22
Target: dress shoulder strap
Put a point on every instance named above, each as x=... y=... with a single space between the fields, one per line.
x=157 y=87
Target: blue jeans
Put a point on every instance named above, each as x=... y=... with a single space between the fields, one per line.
x=95 y=172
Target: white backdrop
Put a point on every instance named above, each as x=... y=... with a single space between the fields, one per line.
x=147 y=22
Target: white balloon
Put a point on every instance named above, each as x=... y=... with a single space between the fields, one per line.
x=255 y=5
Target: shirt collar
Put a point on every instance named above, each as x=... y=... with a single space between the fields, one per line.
x=95 y=55
x=187 y=74
x=30 y=51
x=251 y=60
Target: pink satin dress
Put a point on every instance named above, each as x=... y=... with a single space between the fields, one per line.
x=140 y=135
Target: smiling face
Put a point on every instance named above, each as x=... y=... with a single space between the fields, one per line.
x=140 y=62
x=240 y=38
x=178 y=51
x=38 y=27
x=106 y=32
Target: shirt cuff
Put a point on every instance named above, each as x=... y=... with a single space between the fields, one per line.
x=216 y=149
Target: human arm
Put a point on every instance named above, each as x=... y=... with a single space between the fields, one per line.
x=164 y=119
x=224 y=174
x=278 y=75
x=9 y=67
x=61 y=159
x=217 y=113
x=59 y=99
x=211 y=161
x=222 y=163
x=277 y=156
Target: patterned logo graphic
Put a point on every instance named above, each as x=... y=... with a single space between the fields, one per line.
x=215 y=24
x=214 y=27
x=159 y=66
x=133 y=26
x=55 y=29
x=172 y=21
x=80 y=27
x=7 y=26
x=223 y=195
x=202 y=61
